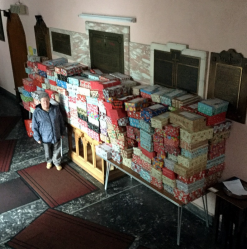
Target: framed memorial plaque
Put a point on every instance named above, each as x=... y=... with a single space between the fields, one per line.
x=228 y=81
x=2 y=37
x=174 y=65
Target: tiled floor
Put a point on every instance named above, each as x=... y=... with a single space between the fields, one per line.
x=127 y=206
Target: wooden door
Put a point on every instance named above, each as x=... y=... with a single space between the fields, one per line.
x=17 y=48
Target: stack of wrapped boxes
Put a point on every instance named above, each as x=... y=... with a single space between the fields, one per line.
x=181 y=151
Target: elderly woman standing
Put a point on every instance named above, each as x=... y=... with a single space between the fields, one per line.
x=48 y=128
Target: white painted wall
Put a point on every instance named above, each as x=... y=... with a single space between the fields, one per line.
x=210 y=25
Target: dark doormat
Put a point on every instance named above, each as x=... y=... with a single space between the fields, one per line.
x=56 y=187
x=15 y=193
x=54 y=229
x=6 y=125
x=6 y=153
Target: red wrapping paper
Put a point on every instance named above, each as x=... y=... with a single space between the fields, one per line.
x=148 y=154
x=156 y=183
x=193 y=178
x=186 y=198
x=172 y=130
x=168 y=173
x=136 y=115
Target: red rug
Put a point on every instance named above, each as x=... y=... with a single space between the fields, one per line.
x=6 y=125
x=57 y=230
x=7 y=148
x=56 y=187
x=15 y=193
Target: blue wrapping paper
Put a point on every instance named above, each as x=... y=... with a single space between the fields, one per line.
x=152 y=111
x=134 y=122
x=145 y=175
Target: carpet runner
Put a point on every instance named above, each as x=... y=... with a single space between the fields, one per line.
x=56 y=187
x=54 y=229
x=7 y=148
x=15 y=193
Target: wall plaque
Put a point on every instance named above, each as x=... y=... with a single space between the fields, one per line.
x=42 y=38
x=61 y=43
x=106 y=51
x=228 y=81
x=174 y=65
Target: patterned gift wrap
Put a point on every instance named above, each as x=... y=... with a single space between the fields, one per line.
x=62 y=84
x=135 y=167
x=146 y=136
x=193 y=178
x=83 y=91
x=131 y=135
x=136 y=115
x=150 y=90
x=103 y=131
x=85 y=83
x=159 y=148
x=93 y=121
x=146 y=127
x=82 y=123
x=215 y=119
x=216 y=161
x=152 y=111
x=186 y=99
x=123 y=121
x=172 y=130
x=158 y=163
x=94 y=127
x=26 y=93
x=127 y=153
x=93 y=115
x=30 y=88
x=136 y=159
x=187 y=172
x=145 y=165
x=172 y=157
x=106 y=77
x=115 y=91
x=188 y=188
x=92 y=108
x=134 y=122
x=195 y=137
x=97 y=85
x=171 y=141
x=122 y=144
x=186 y=162
x=137 y=151
x=167 y=98
x=104 y=151
x=27 y=81
x=132 y=142
x=75 y=80
x=116 y=127
x=145 y=158
x=172 y=150
x=212 y=179
x=212 y=107
x=223 y=126
x=194 y=153
x=93 y=101
x=117 y=157
x=120 y=76
x=189 y=121
x=168 y=189
x=112 y=134
x=150 y=155
x=219 y=137
x=25 y=98
x=127 y=162
x=215 y=150
x=160 y=121
x=136 y=104
x=169 y=164
x=188 y=146
x=159 y=132
x=26 y=105
x=187 y=197
x=82 y=117
x=156 y=183
x=170 y=182
x=161 y=154
x=121 y=136
x=147 y=145
x=93 y=135
x=145 y=175
x=54 y=88
x=168 y=173
x=136 y=89
x=158 y=139
x=215 y=169
x=156 y=96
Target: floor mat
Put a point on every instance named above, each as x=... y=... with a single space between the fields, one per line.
x=15 y=193
x=6 y=153
x=56 y=187
x=54 y=229
x=6 y=125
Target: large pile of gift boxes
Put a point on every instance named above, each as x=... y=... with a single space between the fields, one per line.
x=173 y=139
